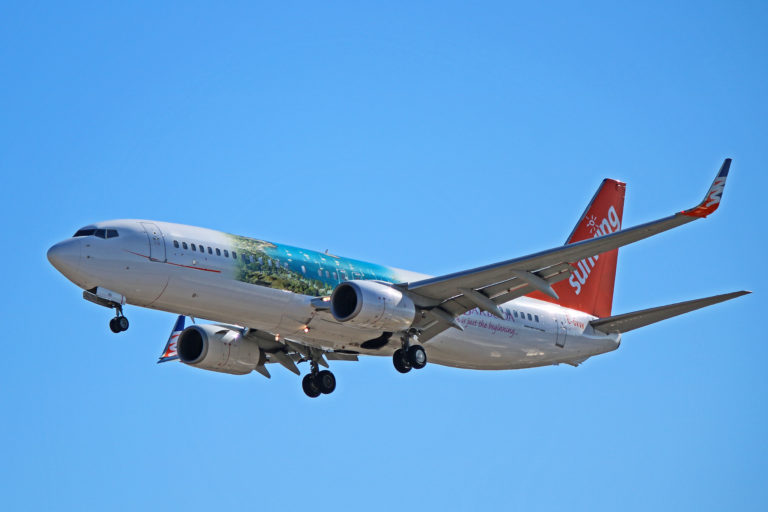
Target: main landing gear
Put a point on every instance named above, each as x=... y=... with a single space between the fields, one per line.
x=409 y=356
x=318 y=383
x=119 y=323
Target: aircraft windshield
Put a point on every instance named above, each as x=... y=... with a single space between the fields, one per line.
x=101 y=233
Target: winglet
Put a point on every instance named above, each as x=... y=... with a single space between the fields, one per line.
x=714 y=194
x=169 y=352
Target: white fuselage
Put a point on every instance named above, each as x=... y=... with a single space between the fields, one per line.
x=144 y=265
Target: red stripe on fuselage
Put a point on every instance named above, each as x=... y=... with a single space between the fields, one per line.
x=176 y=264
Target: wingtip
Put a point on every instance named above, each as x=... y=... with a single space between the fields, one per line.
x=725 y=168
x=711 y=201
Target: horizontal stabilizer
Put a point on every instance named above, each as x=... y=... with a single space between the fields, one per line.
x=630 y=321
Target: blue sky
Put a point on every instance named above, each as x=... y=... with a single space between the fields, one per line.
x=428 y=136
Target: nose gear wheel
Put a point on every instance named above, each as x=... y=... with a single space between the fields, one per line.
x=119 y=323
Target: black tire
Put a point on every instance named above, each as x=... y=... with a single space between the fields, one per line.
x=113 y=326
x=122 y=323
x=417 y=357
x=401 y=361
x=309 y=385
x=326 y=382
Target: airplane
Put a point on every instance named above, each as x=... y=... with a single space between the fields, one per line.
x=273 y=303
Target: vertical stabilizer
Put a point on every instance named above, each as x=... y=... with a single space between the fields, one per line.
x=590 y=286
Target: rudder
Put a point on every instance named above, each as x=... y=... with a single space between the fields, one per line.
x=590 y=286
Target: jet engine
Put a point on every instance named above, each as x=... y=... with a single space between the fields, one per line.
x=216 y=348
x=373 y=305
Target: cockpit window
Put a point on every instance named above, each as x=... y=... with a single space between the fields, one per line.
x=85 y=232
x=101 y=233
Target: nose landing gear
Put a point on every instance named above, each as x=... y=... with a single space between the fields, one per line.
x=119 y=323
x=409 y=356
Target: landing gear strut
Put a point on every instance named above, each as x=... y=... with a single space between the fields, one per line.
x=119 y=323
x=318 y=383
x=409 y=356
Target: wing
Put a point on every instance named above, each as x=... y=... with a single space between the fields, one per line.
x=443 y=298
x=287 y=352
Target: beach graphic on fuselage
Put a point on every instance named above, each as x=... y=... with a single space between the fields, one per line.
x=300 y=270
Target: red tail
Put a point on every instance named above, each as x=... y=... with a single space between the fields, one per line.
x=590 y=286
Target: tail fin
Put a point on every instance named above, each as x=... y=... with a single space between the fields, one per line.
x=590 y=286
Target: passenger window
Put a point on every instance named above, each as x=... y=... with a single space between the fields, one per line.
x=218 y=252
x=536 y=317
x=529 y=317
x=184 y=245
x=234 y=255
x=101 y=233
x=515 y=312
x=226 y=253
x=194 y=247
x=210 y=251
x=112 y=233
x=176 y=244
x=202 y=248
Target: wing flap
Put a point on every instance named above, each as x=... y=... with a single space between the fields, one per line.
x=630 y=321
x=340 y=356
x=500 y=293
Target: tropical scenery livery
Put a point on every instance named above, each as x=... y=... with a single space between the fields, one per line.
x=274 y=303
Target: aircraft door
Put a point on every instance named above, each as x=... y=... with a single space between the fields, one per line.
x=561 y=332
x=156 y=242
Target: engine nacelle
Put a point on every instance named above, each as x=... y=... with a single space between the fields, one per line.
x=216 y=348
x=373 y=305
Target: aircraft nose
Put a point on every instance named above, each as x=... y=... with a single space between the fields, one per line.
x=65 y=256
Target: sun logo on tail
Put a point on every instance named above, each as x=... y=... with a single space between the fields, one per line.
x=592 y=223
